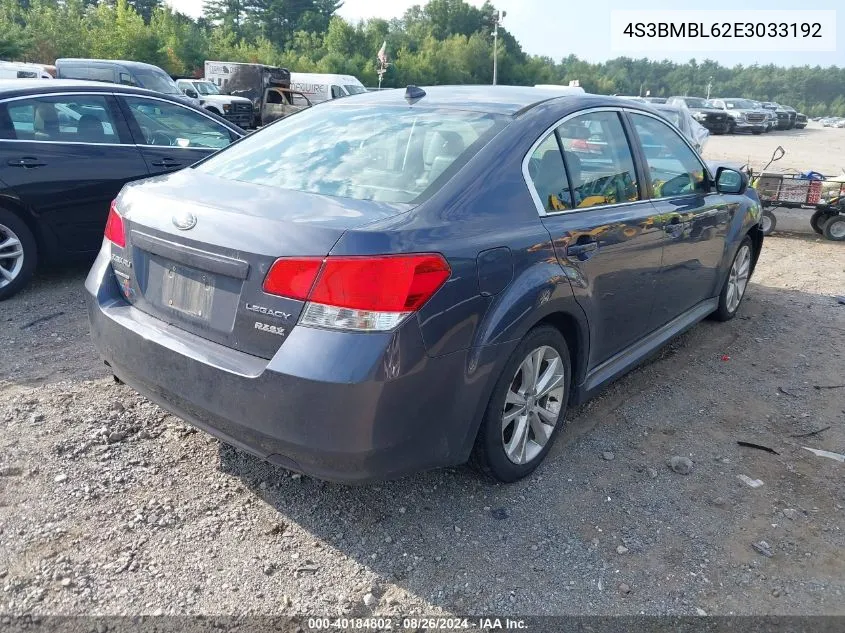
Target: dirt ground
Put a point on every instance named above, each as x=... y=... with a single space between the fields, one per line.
x=109 y=505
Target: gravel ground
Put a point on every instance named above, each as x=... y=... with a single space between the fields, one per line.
x=109 y=505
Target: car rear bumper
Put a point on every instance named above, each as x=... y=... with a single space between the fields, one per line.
x=346 y=407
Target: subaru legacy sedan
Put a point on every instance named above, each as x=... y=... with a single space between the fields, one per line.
x=410 y=279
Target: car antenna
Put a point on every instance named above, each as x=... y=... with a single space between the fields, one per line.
x=413 y=94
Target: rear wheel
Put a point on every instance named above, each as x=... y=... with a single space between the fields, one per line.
x=18 y=254
x=834 y=228
x=818 y=221
x=527 y=408
x=734 y=289
x=768 y=222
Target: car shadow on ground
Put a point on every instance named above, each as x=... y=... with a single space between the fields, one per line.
x=550 y=542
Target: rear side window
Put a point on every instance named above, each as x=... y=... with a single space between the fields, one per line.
x=547 y=173
x=364 y=152
x=69 y=119
x=105 y=74
x=337 y=92
x=598 y=160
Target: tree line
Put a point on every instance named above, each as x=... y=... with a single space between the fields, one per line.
x=441 y=42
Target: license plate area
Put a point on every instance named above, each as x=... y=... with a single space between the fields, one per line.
x=188 y=291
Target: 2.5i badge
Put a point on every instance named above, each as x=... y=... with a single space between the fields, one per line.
x=272 y=329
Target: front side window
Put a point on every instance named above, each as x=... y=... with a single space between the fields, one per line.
x=168 y=124
x=673 y=167
x=68 y=119
x=364 y=152
x=547 y=173
x=126 y=79
x=206 y=88
x=337 y=92
x=598 y=160
x=355 y=90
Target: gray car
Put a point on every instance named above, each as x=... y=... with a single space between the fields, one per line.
x=744 y=117
x=402 y=280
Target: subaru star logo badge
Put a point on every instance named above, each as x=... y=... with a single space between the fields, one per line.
x=184 y=221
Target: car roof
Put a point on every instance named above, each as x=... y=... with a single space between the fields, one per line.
x=19 y=87
x=507 y=100
x=121 y=62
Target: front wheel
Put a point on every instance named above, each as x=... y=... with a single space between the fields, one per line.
x=834 y=228
x=527 y=407
x=768 y=222
x=734 y=289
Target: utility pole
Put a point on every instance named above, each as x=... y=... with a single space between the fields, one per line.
x=500 y=15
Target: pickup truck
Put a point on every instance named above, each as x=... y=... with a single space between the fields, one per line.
x=238 y=110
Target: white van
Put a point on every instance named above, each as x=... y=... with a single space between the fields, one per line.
x=22 y=70
x=324 y=87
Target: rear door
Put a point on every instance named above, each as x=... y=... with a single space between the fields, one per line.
x=695 y=217
x=171 y=136
x=602 y=225
x=66 y=157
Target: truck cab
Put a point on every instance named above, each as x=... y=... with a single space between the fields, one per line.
x=236 y=109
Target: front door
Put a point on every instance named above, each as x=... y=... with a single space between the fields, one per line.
x=602 y=226
x=696 y=218
x=172 y=136
x=67 y=157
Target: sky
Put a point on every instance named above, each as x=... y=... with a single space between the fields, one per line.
x=557 y=28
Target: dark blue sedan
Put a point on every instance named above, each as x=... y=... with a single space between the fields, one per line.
x=403 y=280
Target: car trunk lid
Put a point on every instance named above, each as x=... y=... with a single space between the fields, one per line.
x=198 y=249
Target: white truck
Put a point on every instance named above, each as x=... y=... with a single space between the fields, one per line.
x=319 y=87
x=236 y=109
x=268 y=87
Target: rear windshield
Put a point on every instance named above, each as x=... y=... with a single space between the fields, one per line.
x=388 y=154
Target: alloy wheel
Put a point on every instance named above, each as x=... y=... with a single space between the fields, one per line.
x=738 y=278
x=532 y=404
x=11 y=256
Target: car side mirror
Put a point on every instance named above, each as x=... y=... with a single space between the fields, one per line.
x=730 y=181
x=192 y=93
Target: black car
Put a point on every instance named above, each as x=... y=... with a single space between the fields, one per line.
x=800 y=121
x=714 y=119
x=66 y=149
x=785 y=120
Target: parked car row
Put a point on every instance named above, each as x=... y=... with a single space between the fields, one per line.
x=248 y=95
x=734 y=115
x=833 y=121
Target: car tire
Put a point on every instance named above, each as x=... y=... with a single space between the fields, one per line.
x=769 y=222
x=834 y=228
x=18 y=254
x=498 y=452
x=732 y=128
x=818 y=220
x=756 y=132
x=736 y=282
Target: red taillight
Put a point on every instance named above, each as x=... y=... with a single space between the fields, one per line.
x=383 y=283
x=292 y=277
x=114 y=228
